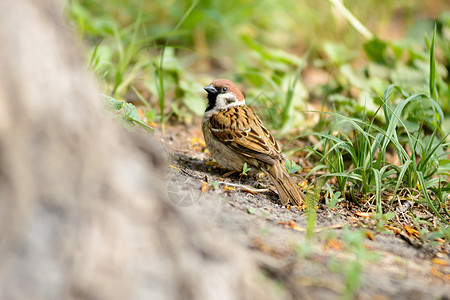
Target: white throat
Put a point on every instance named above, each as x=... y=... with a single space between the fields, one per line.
x=223 y=102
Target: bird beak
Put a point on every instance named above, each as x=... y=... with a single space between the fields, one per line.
x=210 y=89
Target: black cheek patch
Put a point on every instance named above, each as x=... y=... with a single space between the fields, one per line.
x=211 y=101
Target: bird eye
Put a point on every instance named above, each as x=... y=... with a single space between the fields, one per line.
x=224 y=89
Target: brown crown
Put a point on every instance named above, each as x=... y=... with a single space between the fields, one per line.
x=218 y=83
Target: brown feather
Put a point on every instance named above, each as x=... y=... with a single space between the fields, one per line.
x=237 y=135
x=244 y=137
x=287 y=190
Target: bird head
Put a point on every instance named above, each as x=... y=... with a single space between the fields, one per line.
x=223 y=94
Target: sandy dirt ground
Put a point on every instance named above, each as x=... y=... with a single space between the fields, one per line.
x=345 y=258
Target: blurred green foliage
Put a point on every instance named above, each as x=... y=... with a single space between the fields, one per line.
x=261 y=44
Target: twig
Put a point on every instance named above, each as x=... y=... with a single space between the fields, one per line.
x=183 y=171
x=245 y=187
x=239 y=186
x=335 y=226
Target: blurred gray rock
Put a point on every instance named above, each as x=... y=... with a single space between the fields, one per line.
x=83 y=211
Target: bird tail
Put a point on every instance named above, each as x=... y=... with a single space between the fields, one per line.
x=286 y=188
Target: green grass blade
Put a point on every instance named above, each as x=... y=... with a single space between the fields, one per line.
x=423 y=189
x=377 y=176
x=315 y=169
x=387 y=106
x=286 y=114
x=344 y=175
x=403 y=170
x=160 y=81
x=432 y=83
x=352 y=19
x=139 y=95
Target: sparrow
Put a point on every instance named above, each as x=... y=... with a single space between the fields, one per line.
x=235 y=135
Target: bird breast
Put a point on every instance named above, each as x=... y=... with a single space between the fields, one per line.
x=221 y=153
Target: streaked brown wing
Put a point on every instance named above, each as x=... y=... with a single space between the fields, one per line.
x=242 y=131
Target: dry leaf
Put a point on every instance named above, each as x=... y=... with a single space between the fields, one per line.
x=228 y=188
x=439 y=274
x=204 y=187
x=198 y=140
x=141 y=113
x=440 y=262
x=392 y=228
x=292 y=223
x=411 y=231
x=369 y=235
x=151 y=124
x=303 y=185
x=363 y=214
x=249 y=191
x=333 y=244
